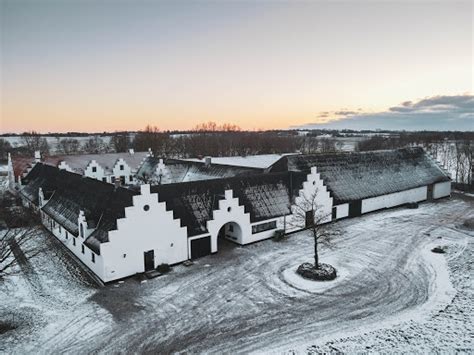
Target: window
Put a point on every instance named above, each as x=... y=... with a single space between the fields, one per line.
x=104 y=179
x=146 y=208
x=73 y=241
x=131 y=178
x=121 y=167
x=67 y=236
x=112 y=179
x=264 y=227
x=229 y=209
x=81 y=231
x=231 y=227
x=93 y=257
x=60 y=230
x=82 y=249
x=94 y=169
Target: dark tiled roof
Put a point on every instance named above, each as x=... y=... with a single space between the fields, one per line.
x=102 y=203
x=21 y=165
x=185 y=171
x=264 y=197
x=359 y=175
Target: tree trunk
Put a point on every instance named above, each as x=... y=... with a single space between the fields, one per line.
x=316 y=256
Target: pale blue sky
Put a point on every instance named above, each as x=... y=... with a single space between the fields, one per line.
x=105 y=65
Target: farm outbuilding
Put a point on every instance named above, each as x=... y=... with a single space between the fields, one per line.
x=117 y=232
x=362 y=182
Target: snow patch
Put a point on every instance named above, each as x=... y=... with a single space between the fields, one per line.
x=293 y=279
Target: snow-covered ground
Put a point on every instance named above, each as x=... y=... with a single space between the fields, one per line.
x=17 y=141
x=392 y=294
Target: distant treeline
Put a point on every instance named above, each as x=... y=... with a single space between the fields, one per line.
x=229 y=140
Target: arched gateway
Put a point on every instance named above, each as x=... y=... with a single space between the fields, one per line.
x=229 y=221
x=230 y=231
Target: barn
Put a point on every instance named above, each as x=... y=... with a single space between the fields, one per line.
x=362 y=182
x=117 y=232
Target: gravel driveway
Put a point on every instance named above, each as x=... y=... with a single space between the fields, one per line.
x=239 y=301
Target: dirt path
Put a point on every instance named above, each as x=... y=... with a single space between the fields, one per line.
x=237 y=301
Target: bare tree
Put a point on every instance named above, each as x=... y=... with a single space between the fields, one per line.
x=94 y=145
x=120 y=141
x=19 y=231
x=17 y=244
x=33 y=142
x=5 y=148
x=309 y=214
x=68 y=146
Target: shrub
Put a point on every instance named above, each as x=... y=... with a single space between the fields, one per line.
x=438 y=250
x=279 y=235
x=163 y=268
x=324 y=272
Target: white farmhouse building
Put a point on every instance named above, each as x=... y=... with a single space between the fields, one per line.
x=117 y=232
x=108 y=167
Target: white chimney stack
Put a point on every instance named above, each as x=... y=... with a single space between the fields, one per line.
x=207 y=161
x=131 y=151
x=37 y=156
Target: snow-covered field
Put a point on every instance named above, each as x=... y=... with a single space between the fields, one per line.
x=17 y=141
x=392 y=294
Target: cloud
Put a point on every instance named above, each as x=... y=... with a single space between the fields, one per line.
x=345 y=113
x=432 y=113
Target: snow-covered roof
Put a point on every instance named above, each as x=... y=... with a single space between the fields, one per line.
x=264 y=196
x=353 y=176
x=79 y=162
x=184 y=171
x=262 y=161
x=70 y=193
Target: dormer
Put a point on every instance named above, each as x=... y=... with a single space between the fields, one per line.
x=85 y=228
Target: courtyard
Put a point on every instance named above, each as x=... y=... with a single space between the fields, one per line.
x=392 y=294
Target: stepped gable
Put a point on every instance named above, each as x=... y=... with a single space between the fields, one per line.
x=264 y=197
x=79 y=162
x=359 y=175
x=70 y=193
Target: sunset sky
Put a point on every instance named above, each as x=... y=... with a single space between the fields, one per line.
x=115 y=65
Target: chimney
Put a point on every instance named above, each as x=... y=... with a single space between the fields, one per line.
x=207 y=161
x=131 y=151
x=37 y=156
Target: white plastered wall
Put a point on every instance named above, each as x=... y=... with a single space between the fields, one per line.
x=11 y=174
x=229 y=211
x=66 y=238
x=313 y=184
x=162 y=173
x=391 y=200
x=99 y=174
x=126 y=172
x=442 y=189
x=143 y=229
x=342 y=211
